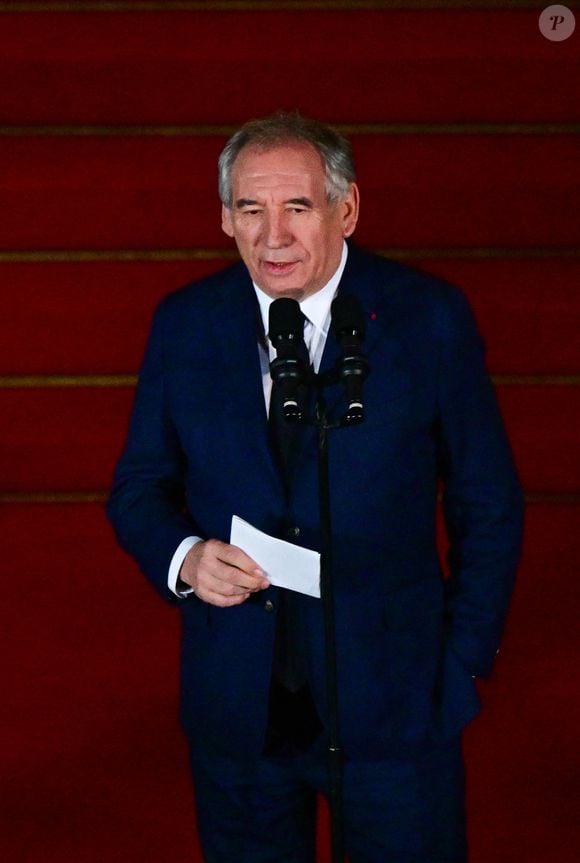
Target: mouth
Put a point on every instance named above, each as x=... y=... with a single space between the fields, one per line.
x=279 y=268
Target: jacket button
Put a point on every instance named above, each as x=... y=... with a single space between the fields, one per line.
x=269 y=605
x=293 y=531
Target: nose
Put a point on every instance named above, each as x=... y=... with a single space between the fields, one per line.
x=276 y=232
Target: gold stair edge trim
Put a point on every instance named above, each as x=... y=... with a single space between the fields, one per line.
x=270 y=5
x=526 y=380
x=73 y=381
x=42 y=256
x=100 y=497
x=51 y=381
x=144 y=130
x=53 y=497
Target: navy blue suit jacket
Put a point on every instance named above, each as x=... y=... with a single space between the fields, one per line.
x=409 y=641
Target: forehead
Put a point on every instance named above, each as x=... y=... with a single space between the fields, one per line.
x=289 y=164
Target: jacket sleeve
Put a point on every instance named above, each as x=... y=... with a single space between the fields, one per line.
x=482 y=499
x=146 y=504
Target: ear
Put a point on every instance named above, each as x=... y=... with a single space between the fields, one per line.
x=227 y=223
x=350 y=207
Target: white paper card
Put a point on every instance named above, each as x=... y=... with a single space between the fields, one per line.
x=285 y=564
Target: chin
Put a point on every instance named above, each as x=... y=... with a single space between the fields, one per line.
x=293 y=293
x=277 y=291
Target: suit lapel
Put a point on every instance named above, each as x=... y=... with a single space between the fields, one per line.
x=236 y=330
x=360 y=279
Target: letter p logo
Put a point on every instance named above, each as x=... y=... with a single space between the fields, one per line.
x=557 y=23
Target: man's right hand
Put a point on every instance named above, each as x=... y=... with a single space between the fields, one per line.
x=221 y=574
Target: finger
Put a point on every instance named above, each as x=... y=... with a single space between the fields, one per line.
x=218 y=577
x=226 y=583
x=236 y=579
x=235 y=556
x=232 y=565
x=211 y=573
x=222 y=601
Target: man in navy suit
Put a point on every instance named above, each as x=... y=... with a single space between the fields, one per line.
x=200 y=450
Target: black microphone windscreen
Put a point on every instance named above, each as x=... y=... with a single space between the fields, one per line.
x=285 y=317
x=347 y=315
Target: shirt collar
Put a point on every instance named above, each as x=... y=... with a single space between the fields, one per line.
x=316 y=307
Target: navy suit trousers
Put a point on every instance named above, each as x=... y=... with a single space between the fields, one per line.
x=395 y=811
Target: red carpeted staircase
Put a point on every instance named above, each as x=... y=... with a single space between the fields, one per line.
x=464 y=121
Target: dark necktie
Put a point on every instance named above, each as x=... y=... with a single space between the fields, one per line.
x=293 y=720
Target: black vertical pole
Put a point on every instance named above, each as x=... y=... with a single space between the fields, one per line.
x=326 y=586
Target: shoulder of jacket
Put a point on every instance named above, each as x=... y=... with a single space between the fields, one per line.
x=200 y=294
x=410 y=284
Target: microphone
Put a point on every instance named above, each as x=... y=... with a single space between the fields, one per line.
x=288 y=370
x=348 y=324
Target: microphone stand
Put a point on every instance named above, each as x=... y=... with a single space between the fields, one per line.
x=323 y=425
x=327 y=593
x=287 y=372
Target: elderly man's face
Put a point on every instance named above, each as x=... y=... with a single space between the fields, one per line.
x=288 y=234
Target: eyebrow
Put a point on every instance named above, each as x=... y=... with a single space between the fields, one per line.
x=303 y=202
x=249 y=202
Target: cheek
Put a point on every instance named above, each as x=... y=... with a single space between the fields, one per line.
x=315 y=240
x=325 y=245
x=245 y=238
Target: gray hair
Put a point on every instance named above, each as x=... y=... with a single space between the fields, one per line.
x=283 y=128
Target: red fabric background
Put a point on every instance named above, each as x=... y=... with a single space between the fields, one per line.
x=350 y=65
x=93 y=761
x=420 y=191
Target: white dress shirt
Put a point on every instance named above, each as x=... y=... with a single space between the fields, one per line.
x=316 y=310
